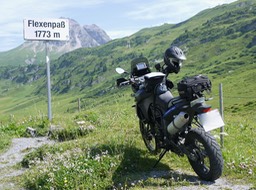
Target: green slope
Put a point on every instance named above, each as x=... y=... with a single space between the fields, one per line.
x=219 y=42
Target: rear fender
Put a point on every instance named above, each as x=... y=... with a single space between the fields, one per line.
x=199 y=106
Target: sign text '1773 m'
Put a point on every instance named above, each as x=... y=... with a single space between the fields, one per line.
x=46 y=34
x=46 y=29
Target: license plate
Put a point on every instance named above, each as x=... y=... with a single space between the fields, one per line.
x=211 y=120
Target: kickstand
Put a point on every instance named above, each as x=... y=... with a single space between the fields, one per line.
x=160 y=157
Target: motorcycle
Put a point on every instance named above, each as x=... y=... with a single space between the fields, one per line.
x=179 y=124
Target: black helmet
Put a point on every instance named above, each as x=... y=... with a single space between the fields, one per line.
x=173 y=58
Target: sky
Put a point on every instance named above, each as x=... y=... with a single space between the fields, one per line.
x=119 y=18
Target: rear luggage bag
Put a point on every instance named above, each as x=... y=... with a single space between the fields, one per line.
x=191 y=88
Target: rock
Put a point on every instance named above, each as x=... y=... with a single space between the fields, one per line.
x=31 y=131
x=80 y=122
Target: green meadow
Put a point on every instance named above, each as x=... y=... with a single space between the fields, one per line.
x=218 y=42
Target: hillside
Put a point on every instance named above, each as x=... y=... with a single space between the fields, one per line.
x=98 y=142
x=219 y=42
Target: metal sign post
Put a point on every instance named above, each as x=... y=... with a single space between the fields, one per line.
x=45 y=30
x=48 y=82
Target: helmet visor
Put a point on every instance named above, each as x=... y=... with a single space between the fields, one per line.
x=176 y=62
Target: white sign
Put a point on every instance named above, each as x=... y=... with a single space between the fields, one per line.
x=46 y=29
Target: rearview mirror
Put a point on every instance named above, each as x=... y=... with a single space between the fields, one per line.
x=120 y=70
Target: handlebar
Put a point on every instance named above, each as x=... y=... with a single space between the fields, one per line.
x=132 y=80
x=124 y=83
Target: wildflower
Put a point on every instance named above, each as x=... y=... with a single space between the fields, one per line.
x=112 y=164
x=65 y=181
x=97 y=157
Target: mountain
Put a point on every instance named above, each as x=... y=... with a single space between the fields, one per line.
x=80 y=36
x=219 y=42
x=34 y=51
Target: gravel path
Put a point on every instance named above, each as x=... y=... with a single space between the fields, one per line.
x=194 y=182
x=19 y=148
x=219 y=184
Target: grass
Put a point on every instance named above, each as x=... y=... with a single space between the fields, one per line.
x=113 y=155
x=239 y=151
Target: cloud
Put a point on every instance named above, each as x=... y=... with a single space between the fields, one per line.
x=13 y=13
x=166 y=9
x=18 y=10
x=118 y=17
x=154 y=13
x=114 y=34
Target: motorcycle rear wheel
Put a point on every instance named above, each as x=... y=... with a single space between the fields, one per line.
x=148 y=133
x=206 y=160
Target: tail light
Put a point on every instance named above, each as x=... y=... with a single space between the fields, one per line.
x=205 y=110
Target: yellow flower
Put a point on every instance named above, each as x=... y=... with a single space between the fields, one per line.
x=65 y=180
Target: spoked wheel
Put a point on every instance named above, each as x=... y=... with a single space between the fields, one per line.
x=205 y=154
x=149 y=137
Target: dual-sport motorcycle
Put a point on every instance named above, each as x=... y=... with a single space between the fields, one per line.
x=177 y=124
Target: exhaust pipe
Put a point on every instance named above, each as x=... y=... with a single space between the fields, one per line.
x=178 y=122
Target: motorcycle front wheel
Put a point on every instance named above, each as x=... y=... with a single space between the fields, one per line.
x=205 y=154
x=148 y=133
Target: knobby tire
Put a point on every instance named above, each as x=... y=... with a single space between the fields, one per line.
x=209 y=151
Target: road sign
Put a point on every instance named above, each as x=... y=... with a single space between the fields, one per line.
x=46 y=29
